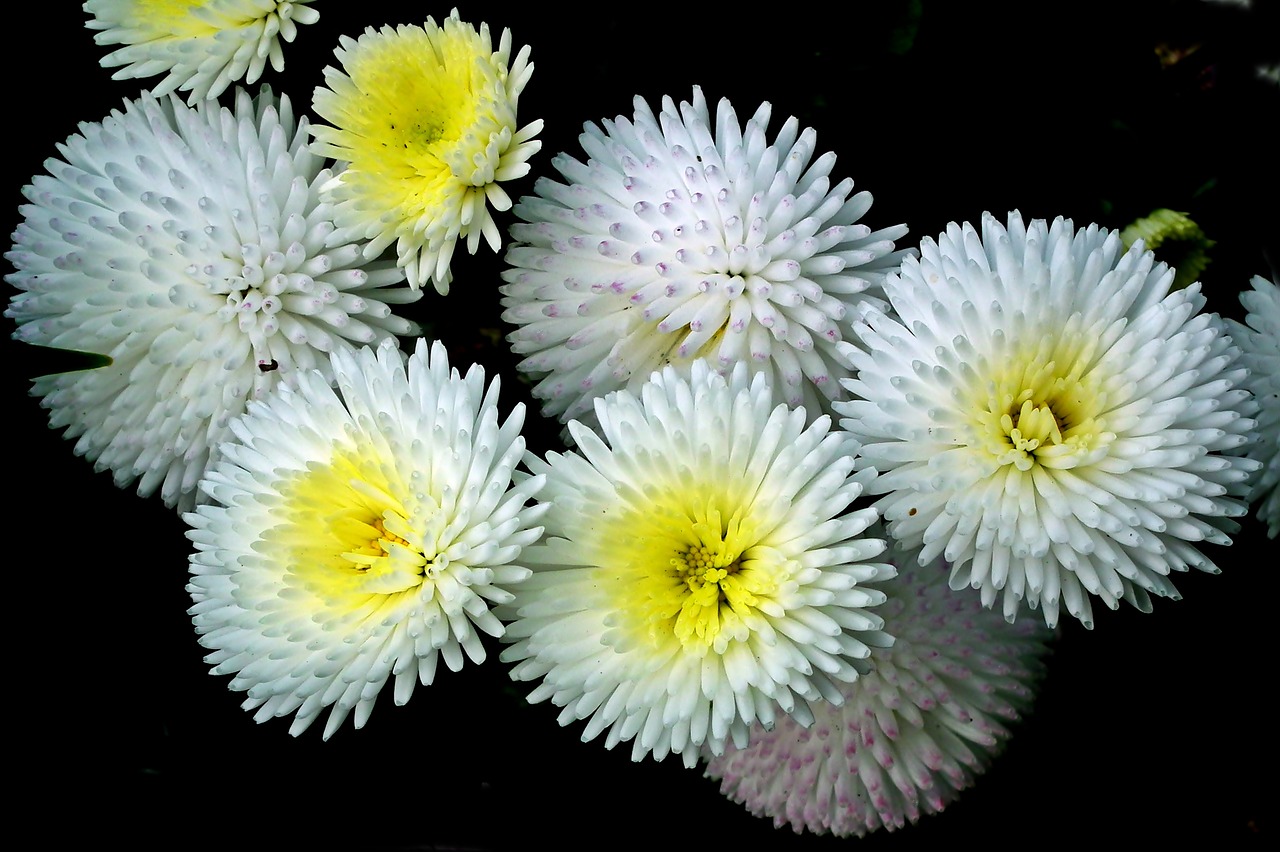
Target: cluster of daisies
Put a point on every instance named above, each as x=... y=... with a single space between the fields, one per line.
x=822 y=497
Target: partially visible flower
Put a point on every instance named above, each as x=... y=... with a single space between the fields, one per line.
x=191 y=247
x=202 y=46
x=356 y=537
x=699 y=569
x=425 y=119
x=1259 y=340
x=688 y=236
x=1176 y=239
x=911 y=734
x=1046 y=415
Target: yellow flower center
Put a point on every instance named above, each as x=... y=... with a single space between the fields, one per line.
x=1044 y=407
x=346 y=533
x=706 y=571
x=696 y=579
x=426 y=118
x=378 y=548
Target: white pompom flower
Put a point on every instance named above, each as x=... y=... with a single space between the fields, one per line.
x=1259 y=339
x=1046 y=415
x=699 y=570
x=192 y=248
x=910 y=735
x=686 y=235
x=425 y=120
x=201 y=46
x=358 y=536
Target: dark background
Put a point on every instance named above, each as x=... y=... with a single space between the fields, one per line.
x=1150 y=727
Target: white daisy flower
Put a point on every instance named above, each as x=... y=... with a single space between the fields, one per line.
x=1049 y=417
x=201 y=46
x=1259 y=340
x=911 y=734
x=425 y=118
x=688 y=236
x=191 y=247
x=699 y=568
x=358 y=536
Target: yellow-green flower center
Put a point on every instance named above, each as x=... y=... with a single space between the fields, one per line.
x=346 y=533
x=1043 y=408
x=695 y=579
x=370 y=553
x=425 y=117
x=706 y=571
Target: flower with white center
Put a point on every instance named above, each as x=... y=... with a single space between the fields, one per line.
x=1259 y=340
x=1049 y=417
x=357 y=536
x=201 y=46
x=191 y=247
x=699 y=569
x=910 y=735
x=688 y=236
x=425 y=118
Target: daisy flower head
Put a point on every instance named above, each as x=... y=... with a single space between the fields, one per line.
x=912 y=734
x=191 y=247
x=424 y=119
x=699 y=570
x=356 y=536
x=201 y=46
x=1046 y=415
x=1259 y=339
x=687 y=235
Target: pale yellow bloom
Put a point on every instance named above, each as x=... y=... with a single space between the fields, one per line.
x=424 y=119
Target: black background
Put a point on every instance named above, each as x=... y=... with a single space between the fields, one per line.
x=1152 y=727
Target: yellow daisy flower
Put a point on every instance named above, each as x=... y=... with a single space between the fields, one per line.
x=424 y=119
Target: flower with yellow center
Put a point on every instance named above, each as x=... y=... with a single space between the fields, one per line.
x=424 y=119
x=357 y=536
x=700 y=569
x=1046 y=415
x=202 y=46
